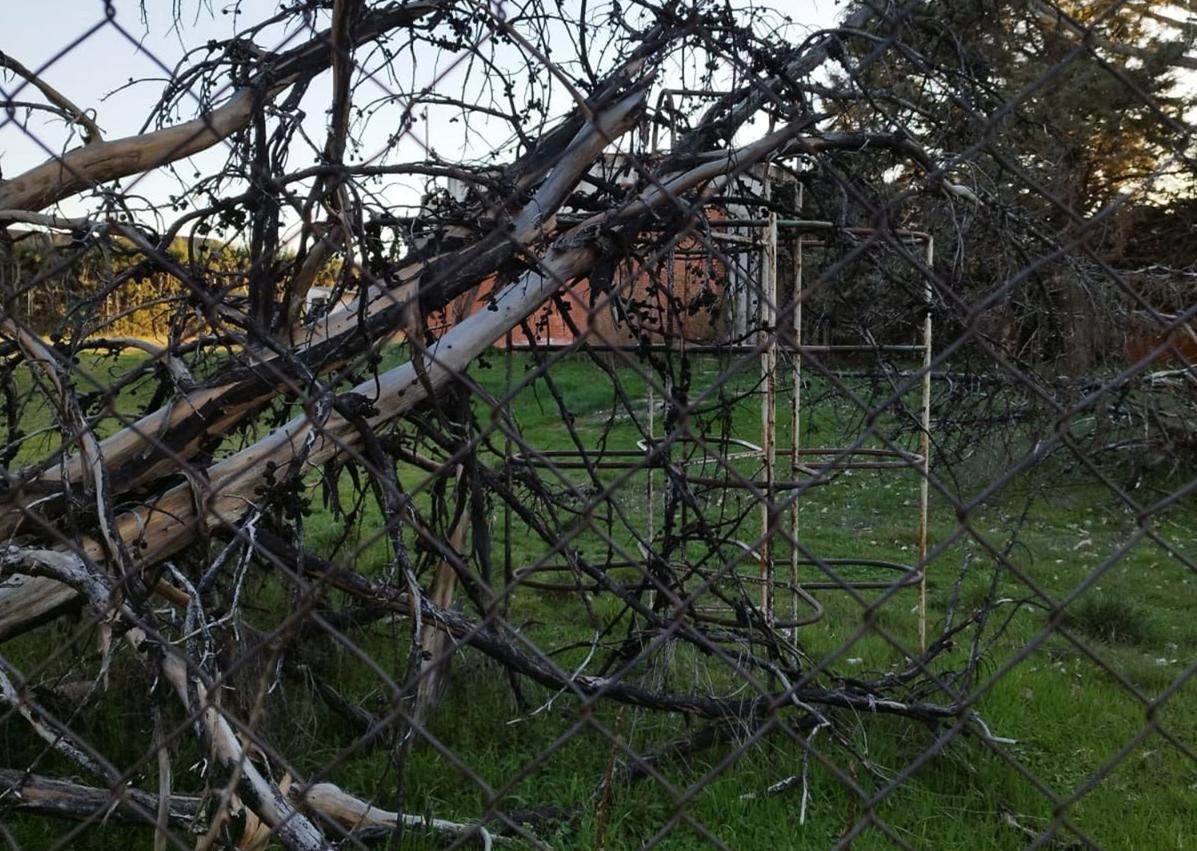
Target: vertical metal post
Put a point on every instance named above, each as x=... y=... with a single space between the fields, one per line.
x=741 y=280
x=796 y=426
x=652 y=404
x=507 y=450
x=925 y=448
x=768 y=321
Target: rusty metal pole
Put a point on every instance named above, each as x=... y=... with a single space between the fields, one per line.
x=796 y=423
x=925 y=448
x=508 y=482
x=768 y=319
x=648 y=496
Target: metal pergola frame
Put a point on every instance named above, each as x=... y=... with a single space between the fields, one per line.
x=769 y=346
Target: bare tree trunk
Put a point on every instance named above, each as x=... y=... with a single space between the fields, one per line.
x=434 y=642
x=100 y=162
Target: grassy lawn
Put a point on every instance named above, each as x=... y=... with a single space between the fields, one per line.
x=1069 y=709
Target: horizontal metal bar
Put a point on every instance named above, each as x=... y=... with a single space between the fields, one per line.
x=715 y=348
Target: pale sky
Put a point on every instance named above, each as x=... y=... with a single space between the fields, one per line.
x=75 y=49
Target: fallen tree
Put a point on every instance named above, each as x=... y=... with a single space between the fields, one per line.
x=142 y=504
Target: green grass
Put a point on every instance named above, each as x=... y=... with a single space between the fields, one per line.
x=1072 y=706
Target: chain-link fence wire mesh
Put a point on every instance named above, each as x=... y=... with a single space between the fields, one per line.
x=760 y=436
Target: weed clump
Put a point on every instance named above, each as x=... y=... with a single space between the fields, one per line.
x=1114 y=620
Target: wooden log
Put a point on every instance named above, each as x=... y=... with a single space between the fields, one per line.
x=37 y=794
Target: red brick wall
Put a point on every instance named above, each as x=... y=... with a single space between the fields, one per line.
x=695 y=315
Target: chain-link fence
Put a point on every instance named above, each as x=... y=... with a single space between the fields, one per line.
x=442 y=424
